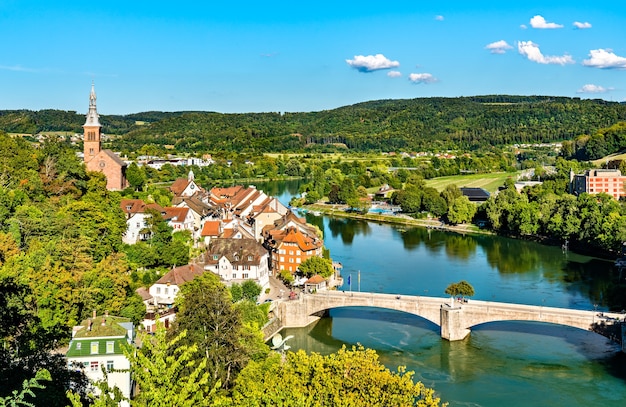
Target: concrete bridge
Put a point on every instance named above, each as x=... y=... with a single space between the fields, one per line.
x=454 y=318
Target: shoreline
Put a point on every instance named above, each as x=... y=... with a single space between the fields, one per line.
x=405 y=220
x=399 y=219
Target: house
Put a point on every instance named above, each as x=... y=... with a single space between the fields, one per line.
x=96 y=346
x=289 y=247
x=237 y=260
x=200 y=211
x=164 y=290
x=384 y=192
x=315 y=283
x=184 y=187
x=475 y=194
x=137 y=211
x=179 y=219
x=96 y=159
x=211 y=230
x=598 y=180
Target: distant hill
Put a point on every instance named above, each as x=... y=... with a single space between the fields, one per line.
x=384 y=125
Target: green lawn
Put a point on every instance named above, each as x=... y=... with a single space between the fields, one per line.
x=490 y=182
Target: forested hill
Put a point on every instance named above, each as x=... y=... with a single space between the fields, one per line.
x=384 y=125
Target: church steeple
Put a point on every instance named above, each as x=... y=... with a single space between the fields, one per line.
x=92 y=128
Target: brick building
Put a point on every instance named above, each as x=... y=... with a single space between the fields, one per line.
x=99 y=160
x=598 y=180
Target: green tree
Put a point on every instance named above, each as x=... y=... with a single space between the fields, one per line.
x=316 y=265
x=168 y=372
x=461 y=210
x=353 y=377
x=135 y=176
x=250 y=290
x=462 y=288
x=207 y=314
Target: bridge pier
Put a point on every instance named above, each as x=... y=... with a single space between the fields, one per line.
x=452 y=325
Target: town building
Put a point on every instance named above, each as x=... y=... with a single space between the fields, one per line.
x=238 y=260
x=165 y=289
x=99 y=160
x=598 y=180
x=291 y=241
x=475 y=194
x=137 y=212
x=96 y=346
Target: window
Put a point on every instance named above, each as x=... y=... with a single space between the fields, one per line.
x=298 y=252
x=245 y=275
x=215 y=257
x=110 y=347
x=234 y=275
x=158 y=290
x=291 y=260
x=249 y=258
x=93 y=366
x=282 y=259
x=94 y=348
x=291 y=252
x=78 y=345
x=298 y=260
x=165 y=291
x=109 y=365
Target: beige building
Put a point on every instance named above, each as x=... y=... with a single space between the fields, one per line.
x=598 y=180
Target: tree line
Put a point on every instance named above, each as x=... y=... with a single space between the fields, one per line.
x=467 y=123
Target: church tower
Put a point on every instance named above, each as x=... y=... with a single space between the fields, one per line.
x=92 y=129
x=97 y=159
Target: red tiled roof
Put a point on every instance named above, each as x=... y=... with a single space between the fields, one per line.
x=316 y=279
x=175 y=212
x=181 y=275
x=211 y=228
x=179 y=186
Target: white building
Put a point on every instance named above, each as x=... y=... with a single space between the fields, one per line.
x=136 y=215
x=237 y=260
x=96 y=346
x=164 y=290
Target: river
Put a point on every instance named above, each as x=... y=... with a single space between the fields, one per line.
x=505 y=363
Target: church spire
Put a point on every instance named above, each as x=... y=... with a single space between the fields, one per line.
x=92 y=115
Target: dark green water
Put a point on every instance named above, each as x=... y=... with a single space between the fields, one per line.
x=505 y=363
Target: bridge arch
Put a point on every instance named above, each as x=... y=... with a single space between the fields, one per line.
x=454 y=319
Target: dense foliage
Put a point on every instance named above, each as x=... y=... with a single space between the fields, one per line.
x=427 y=124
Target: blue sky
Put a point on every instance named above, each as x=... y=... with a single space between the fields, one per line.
x=303 y=56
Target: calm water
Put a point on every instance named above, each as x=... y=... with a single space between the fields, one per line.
x=506 y=363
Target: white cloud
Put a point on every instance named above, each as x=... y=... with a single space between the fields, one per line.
x=523 y=26
x=604 y=59
x=439 y=18
x=582 y=26
x=18 y=68
x=590 y=88
x=498 y=47
x=531 y=51
x=371 y=63
x=394 y=74
x=422 y=78
x=540 y=22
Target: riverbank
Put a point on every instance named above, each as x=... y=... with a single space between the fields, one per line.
x=395 y=219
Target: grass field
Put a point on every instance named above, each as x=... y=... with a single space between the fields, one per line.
x=619 y=156
x=490 y=182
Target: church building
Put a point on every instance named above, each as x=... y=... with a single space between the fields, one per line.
x=97 y=159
